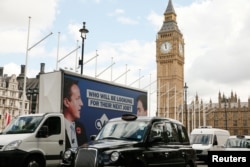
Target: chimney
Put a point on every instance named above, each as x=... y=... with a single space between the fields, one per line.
x=22 y=69
x=21 y=75
x=42 y=67
x=1 y=71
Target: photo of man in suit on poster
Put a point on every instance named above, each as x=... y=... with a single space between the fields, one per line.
x=142 y=105
x=72 y=104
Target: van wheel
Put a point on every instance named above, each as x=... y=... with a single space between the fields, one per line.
x=34 y=161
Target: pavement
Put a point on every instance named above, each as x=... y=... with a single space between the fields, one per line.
x=201 y=164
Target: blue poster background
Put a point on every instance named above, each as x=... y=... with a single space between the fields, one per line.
x=94 y=115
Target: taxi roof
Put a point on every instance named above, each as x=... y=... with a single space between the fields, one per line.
x=132 y=117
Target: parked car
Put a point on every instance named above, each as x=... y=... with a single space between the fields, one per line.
x=133 y=141
x=240 y=141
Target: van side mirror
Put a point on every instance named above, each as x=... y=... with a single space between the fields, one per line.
x=43 y=132
x=215 y=143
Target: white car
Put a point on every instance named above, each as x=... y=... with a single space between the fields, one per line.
x=238 y=142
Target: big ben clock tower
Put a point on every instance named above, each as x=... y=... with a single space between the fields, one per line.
x=170 y=66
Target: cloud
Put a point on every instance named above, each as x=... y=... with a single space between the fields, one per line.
x=14 y=16
x=126 y=20
x=12 y=68
x=216 y=51
x=15 y=13
x=133 y=54
x=119 y=15
x=155 y=19
x=216 y=38
x=116 y=12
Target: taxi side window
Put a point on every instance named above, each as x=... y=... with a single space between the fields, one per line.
x=169 y=133
x=157 y=130
x=172 y=132
x=182 y=134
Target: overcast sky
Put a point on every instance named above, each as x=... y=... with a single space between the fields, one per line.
x=216 y=34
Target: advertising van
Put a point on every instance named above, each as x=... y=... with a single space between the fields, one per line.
x=72 y=107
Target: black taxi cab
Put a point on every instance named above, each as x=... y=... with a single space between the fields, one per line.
x=132 y=141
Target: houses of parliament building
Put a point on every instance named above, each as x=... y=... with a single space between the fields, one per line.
x=227 y=113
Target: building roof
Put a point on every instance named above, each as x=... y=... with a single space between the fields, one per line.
x=169 y=25
x=170 y=8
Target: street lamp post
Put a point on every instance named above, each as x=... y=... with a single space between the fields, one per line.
x=32 y=95
x=36 y=95
x=29 y=95
x=83 y=32
x=185 y=88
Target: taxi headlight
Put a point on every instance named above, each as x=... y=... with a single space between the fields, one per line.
x=114 y=156
x=67 y=154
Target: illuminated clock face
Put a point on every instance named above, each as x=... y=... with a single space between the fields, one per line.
x=166 y=47
x=180 y=49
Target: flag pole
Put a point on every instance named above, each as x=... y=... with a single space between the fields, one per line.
x=25 y=69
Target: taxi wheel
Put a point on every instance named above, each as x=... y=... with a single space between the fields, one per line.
x=189 y=165
x=34 y=161
x=134 y=163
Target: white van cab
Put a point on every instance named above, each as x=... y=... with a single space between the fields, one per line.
x=33 y=140
x=206 y=138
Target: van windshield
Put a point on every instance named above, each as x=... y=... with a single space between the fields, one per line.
x=201 y=139
x=23 y=125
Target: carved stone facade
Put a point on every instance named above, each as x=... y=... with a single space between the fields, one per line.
x=11 y=95
x=9 y=99
x=228 y=113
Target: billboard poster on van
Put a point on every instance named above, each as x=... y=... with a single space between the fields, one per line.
x=96 y=101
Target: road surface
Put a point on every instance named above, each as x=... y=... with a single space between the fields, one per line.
x=201 y=164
